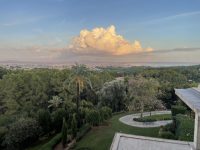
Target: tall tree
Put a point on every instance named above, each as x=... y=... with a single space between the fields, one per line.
x=79 y=79
x=113 y=95
x=142 y=93
x=64 y=132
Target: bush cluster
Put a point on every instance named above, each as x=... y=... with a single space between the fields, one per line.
x=22 y=133
x=178 y=110
x=49 y=145
x=184 y=128
x=165 y=133
x=105 y=113
x=94 y=116
x=144 y=119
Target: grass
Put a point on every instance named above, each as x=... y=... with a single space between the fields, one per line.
x=100 y=138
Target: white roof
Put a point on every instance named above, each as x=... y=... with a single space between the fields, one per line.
x=190 y=97
x=132 y=142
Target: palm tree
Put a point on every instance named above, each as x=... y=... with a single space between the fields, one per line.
x=79 y=78
x=55 y=102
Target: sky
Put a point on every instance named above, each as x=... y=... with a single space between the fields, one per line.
x=103 y=31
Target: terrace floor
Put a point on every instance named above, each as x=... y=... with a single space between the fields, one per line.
x=132 y=142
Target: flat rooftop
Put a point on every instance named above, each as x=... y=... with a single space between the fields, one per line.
x=190 y=97
x=132 y=142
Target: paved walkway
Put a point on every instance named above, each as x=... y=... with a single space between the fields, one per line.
x=128 y=119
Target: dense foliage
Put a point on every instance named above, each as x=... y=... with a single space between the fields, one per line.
x=64 y=132
x=22 y=133
x=38 y=99
x=184 y=128
x=178 y=110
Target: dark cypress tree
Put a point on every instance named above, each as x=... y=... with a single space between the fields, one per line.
x=74 y=126
x=64 y=132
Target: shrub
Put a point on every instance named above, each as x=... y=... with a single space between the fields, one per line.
x=6 y=119
x=166 y=135
x=105 y=113
x=44 y=120
x=154 y=118
x=178 y=110
x=22 y=133
x=57 y=117
x=144 y=119
x=184 y=128
x=52 y=143
x=170 y=127
x=93 y=117
x=83 y=130
x=64 y=132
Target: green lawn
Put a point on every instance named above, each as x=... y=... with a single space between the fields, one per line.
x=100 y=138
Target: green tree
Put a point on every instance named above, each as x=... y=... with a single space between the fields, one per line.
x=142 y=93
x=22 y=133
x=93 y=117
x=57 y=118
x=64 y=132
x=113 y=95
x=74 y=125
x=44 y=120
x=79 y=78
x=105 y=113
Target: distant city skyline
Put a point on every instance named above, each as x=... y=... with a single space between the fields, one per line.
x=106 y=31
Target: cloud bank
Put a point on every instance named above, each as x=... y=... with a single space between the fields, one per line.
x=104 y=41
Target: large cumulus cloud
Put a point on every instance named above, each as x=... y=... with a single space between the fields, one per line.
x=104 y=41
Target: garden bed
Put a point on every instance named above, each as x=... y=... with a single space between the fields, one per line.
x=154 y=118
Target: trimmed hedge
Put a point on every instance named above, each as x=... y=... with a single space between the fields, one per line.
x=166 y=135
x=184 y=128
x=154 y=118
x=178 y=110
x=49 y=145
x=144 y=119
x=85 y=129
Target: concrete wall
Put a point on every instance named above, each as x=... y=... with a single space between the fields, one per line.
x=197 y=132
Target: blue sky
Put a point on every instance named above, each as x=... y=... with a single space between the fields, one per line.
x=43 y=29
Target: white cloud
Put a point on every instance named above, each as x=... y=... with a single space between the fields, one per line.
x=104 y=41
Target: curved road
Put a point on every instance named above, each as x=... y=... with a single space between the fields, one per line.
x=128 y=119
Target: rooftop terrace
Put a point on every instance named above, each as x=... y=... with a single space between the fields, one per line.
x=133 y=142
